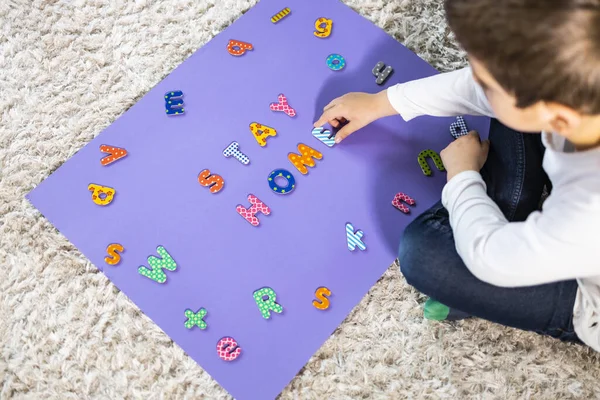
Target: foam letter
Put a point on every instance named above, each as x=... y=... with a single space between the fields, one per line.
x=195 y=319
x=283 y=174
x=250 y=213
x=401 y=197
x=265 y=306
x=261 y=133
x=98 y=191
x=234 y=150
x=280 y=15
x=157 y=264
x=283 y=106
x=382 y=73
x=305 y=159
x=354 y=239
x=323 y=301
x=459 y=128
x=323 y=31
x=215 y=182
x=114 y=154
x=174 y=103
x=436 y=160
x=324 y=135
x=238 y=48
x=113 y=251
x=228 y=349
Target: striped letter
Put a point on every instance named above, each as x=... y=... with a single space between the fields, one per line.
x=306 y=158
x=156 y=272
x=354 y=239
x=324 y=136
x=280 y=15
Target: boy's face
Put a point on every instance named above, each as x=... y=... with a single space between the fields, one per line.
x=530 y=119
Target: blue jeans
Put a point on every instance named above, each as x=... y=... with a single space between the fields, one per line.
x=429 y=261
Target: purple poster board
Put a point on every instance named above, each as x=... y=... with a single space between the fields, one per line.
x=301 y=246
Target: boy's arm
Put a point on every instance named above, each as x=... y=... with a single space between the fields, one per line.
x=558 y=244
x=443 y=95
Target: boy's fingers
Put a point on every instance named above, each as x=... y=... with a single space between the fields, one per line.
x=332 y=103
x=329 y=115
x=475 y=133
x=344 y=132
x=485 y=145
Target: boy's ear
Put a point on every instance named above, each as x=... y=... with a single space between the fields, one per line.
x=563 y=120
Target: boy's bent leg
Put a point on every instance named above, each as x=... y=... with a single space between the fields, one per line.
x=430 y=263
x=513 y=171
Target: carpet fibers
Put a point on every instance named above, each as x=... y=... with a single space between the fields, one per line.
x=68 y=68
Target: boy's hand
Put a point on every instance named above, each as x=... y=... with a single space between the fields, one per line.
x=467 y=153
x=358 y=109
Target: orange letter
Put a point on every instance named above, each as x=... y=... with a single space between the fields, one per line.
x=114 y=154
x=214 y=181
x=320 y=295
x=237 y=48
x=113 y=251
x=305 y=159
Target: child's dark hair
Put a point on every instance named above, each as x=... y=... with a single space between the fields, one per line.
x=537 y=50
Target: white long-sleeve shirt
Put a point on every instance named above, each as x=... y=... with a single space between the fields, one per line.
x=560 y=242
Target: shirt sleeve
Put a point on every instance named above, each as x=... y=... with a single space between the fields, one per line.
x=553 y=245
x=442 y=95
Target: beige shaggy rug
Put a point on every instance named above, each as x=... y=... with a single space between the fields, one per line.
x=68 y=68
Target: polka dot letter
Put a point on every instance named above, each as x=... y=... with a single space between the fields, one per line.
x=436 y=160
x=114 y=154
x=268 y=305
x=401 y=197
x=157 y=264
x=195 y=319
x=228 y=349
x=306 y=158
x=238 y=48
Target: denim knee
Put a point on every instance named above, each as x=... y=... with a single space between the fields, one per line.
x=426 y=247
x=410 y=255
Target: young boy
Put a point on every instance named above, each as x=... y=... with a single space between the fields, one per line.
x=535 y=66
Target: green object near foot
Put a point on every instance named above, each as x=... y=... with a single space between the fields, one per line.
x=436 y=311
